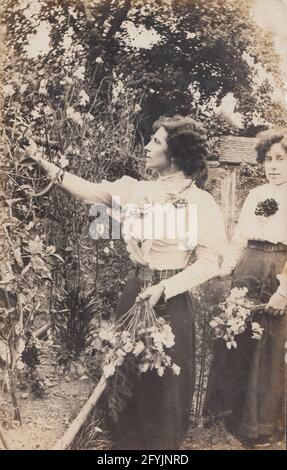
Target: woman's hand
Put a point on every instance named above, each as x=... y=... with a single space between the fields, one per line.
x=31 y=149
x=224 y=273
x=153 y=293
x=33 y=152
x=276 y=305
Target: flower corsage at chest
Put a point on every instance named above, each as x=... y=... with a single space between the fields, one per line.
x=266 y=209
x=153 y=216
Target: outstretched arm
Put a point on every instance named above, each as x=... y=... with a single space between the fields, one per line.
x=99 y=193
x=79 y=187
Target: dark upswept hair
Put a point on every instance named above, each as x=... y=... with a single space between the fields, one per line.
x=187 y=145
x=269 y=138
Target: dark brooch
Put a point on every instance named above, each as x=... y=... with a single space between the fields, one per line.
x=267 y=207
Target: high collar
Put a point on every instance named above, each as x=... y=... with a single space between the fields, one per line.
x=178 y=175
x=173 y=183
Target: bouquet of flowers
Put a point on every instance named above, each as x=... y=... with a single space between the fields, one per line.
x=140 y=333
x=236 y=313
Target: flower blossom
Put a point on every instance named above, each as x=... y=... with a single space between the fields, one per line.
x=74 y=115
x=83 y=98
x=80 y=73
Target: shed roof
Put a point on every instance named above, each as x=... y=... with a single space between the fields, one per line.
x=235 y=150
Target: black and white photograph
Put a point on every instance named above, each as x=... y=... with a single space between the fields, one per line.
x=143 y=225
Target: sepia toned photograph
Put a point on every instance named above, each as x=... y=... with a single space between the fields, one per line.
x=143 y=226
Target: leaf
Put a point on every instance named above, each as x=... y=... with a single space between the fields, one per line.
x=18 y=328
x=97 y=344
x=30 y=225
x=63 y=161
x=35 y=246
x=21 y=345
x=23 y=272
x=108 y=370
x=37 y=262
x=4 y=351
x=50 y=250
x=18 y=257
x=7 y=279
x=5 y=312
x=58 y=256
x=10 y=202
x=20 y=366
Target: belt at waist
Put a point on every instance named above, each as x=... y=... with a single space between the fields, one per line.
x=147 y=274
x=266 y=246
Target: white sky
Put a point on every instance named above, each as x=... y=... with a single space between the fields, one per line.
x=227 y=107
x=39 y=43
x=272 y=15
x=140 y=37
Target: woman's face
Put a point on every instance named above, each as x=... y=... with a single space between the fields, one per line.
x=156 y=151
x=276 y=164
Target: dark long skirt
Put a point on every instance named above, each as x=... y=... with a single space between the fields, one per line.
x=246 y=386
x=146 y=411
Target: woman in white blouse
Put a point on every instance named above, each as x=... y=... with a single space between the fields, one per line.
x=247 y=385
x=157 y=414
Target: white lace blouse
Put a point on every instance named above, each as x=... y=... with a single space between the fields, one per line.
x=164 y=252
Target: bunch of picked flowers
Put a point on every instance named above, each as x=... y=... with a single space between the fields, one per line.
x=235 y=316
x=140 y=333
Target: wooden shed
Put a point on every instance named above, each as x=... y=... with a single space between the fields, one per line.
x=237 y=150
x=224 y=175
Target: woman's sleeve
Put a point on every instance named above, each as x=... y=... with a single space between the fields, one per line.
x=100 y=193
x=94 y=193
x=282 y=278
x=240 y=237
x=210 y=249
